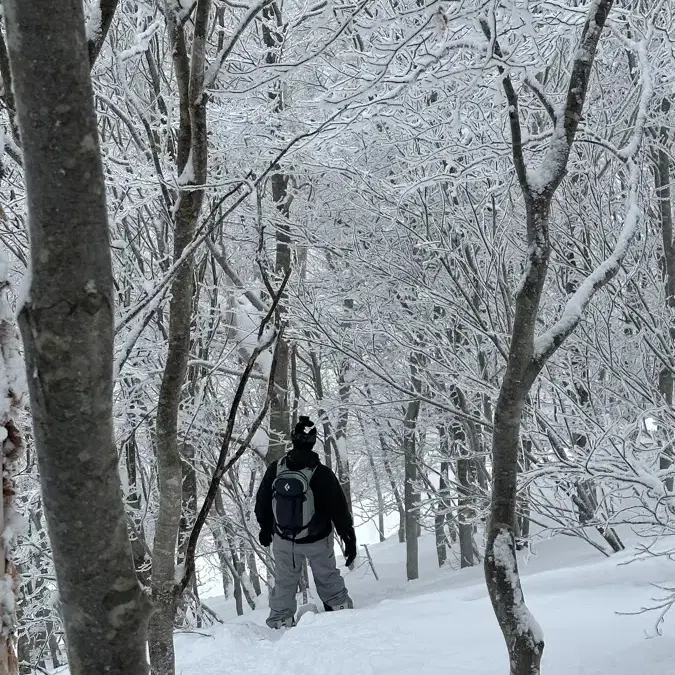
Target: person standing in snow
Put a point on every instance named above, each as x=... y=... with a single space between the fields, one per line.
x=298 y=504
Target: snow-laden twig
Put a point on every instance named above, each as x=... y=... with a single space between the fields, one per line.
x=213 y=70
x=246 y=186
x=135 y=333
x=142 y=41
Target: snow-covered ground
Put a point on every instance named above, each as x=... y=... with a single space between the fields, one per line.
x=444 y=623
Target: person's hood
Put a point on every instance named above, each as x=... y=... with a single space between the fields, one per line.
x=302 y=458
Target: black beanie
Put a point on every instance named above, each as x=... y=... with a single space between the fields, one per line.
x=304 y=434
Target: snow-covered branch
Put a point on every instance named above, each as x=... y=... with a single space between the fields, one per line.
x=547 y=343
x=212 y=71
x=513 y=109
x=552 y=170
x=99 y=19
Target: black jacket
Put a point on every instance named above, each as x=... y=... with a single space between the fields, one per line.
x=330 y=503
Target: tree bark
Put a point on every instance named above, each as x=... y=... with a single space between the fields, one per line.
x=523 y=637
x=317 y=381
x=465 y=505
x=142 y=562
x=411 y=492
x=394 y=488
x=192 y=148
x=341 y=457
x=12 y=447
x=280 y=414
x=380 y=497
x=67 y=325
x=664 y=196
x=443 y=505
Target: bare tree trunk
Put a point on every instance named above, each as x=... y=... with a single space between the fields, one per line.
x=323 y=416
x=394 y=488
x=380 y=498
x=237 y=568
x=411 y=493
x=523 y=637
x=253 y=573
x=464 y=512
x=443 y=505
x=465 y=506
x=138 y=545
x=188 y=499
x=250 y=558
x=219 y=540
x=341 y=457
x=67 y=325
x=662 y=179
x=280 y=416
x=192 y=148
x=238 y=596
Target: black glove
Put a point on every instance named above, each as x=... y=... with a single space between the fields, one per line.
x=350 y=550
x=265 y=538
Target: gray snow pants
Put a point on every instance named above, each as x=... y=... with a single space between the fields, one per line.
x=288 y=559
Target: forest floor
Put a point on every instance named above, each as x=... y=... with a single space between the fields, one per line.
x=443 y=623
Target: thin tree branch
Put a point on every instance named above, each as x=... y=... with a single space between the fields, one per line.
x=214 y=68
x=535 y=87
x=223 y=465
x=514 y=114
x=219 y=256
x=547 y=344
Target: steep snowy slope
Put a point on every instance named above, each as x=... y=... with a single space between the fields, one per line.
x=444 y=623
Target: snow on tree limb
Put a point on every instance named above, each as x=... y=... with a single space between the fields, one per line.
x=647 y=90
x=142 y=41
x=101 y=13
x=547 y=343
x=552 y=169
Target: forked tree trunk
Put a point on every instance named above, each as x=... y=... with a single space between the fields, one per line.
x=67 y=324
x=523 y=637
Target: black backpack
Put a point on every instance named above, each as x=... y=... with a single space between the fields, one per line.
x=292 y=501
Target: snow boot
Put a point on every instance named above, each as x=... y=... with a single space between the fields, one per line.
x=285 y=623
x=348 y=604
